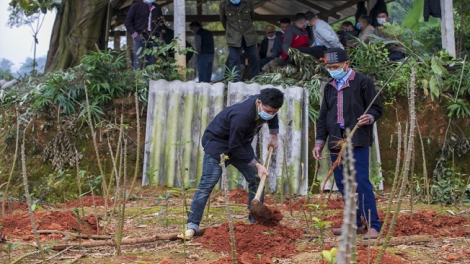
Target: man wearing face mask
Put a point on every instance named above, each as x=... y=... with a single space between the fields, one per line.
x=395 y=51
x=144 y=22
x=205 y=51
x=366 y=28
x=231 y=133
x=345 y=99
x=237 y=19
x=270 y=46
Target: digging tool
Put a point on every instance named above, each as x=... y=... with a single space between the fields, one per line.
x=258 y=210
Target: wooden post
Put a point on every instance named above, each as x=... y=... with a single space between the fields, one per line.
x=117 y=41
x=447 y=26
x=180 y=33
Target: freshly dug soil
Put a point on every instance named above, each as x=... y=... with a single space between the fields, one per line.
x=266 y=240
x=422 y=223
x=19 y=225
x=368 y=255
x=240 y=196
x=333 y=204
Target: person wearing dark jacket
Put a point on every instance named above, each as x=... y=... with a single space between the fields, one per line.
x=345 y=100
x=204 y=42
x=432 y=8
x=144 y=21
x=237 y=19
x=231 y=133
x=167 y=36
x=270 y=47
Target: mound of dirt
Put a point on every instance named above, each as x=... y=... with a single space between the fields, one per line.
x=19 y=225
x=422 y=223
x=87 y=202
x=266 y=240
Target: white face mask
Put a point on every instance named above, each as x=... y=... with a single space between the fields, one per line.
x=273 y=37
x=381 y=20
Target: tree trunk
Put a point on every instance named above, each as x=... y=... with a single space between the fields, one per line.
x=77 y=29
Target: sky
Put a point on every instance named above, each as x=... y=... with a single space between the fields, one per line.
x=16 y=44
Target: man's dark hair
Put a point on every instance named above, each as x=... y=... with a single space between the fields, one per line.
x=194 y=24
x=309 y=15
x=272 y=97
x=365 y=19
x=383 y=12
x=299 y=16
x=347 y=23
x=284 y=21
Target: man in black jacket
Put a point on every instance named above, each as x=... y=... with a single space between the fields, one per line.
x=231 y=133
x=345 y=99
x=204 y=42
x=144 y=21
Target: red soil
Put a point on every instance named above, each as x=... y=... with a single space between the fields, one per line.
x=253 y=240
x=15 y=206
x=368 y=255
x=333 y=204
x=87 y=201
x=240 y=196
x=423 y=223
x=19 y=225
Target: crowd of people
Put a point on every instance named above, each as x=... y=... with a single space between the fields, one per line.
x=307 y=33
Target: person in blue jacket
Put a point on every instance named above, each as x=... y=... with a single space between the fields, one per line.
x=231 y=133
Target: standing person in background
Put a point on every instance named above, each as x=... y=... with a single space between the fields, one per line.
x=237 y=19
x=144 y=21
x=366 y=28
x=204 y=43
x=396 y=51
x=296 y=37
x=270 y=46
x=345 y=100
x=321 y=35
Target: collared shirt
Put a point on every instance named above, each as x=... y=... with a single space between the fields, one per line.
x=339 y=85
x=342 y=81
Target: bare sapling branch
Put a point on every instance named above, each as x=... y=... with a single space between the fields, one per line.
x=347 y=244
x=28 y=199
x=227 y=205
x=137 y=159
x=406 y=171
x=15 y=157
x=97 y=153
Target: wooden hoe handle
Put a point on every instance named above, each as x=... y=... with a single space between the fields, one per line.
x=263 y=177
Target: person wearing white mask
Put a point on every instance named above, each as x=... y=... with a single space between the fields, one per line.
x=144 y=22
x=345 y=100
x=231 y=133
x=395 y=51
x=270 y=47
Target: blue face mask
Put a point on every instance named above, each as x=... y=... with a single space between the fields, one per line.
x=235 y=2
x=193 y=31
x=265 y=116
x=358 y=26
x=149 y=1
x=337 y=74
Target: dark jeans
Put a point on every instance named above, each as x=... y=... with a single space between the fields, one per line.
x=315 y=51
x=234 y=59
x=366 y=198
x=211 y=172
x=204 y=67
x=140 y=59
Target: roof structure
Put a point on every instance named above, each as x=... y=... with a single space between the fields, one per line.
x=266 y=10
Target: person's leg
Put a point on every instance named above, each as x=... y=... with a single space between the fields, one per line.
x=338 y=174
x=138 y=52
x=150 y=58
x=209 y=65
x=201 y=68
x=250 y=174
x=211 y=172
x=251 y=53
x=316 y=51
x=365 y=190
x=234 y=61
